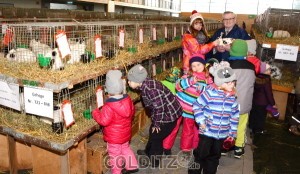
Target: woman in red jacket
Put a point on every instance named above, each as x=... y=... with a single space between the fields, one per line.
x=116 y=116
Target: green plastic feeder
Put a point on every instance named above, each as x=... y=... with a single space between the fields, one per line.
x=177 y=38
x=22 y=46
x=87 y=114
x=44 y=61
x=132 y=50
x=160 y=41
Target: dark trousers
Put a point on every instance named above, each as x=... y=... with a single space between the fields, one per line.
x=257 y=118
x=154 y=146
x=207 y=155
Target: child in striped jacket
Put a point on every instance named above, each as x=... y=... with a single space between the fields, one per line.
x=217 y=114
x=189 y=88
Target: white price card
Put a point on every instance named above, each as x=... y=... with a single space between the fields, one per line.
x=38 y=101
x=121 y=38
x=286 y=52
x=124 y=86
x=63 y=44
x=10 y=95
x=154 y=33
x=98 y=46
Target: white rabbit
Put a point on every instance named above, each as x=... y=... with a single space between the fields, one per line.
x=21 y=55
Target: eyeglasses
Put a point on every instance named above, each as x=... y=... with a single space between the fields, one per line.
x=229 y=19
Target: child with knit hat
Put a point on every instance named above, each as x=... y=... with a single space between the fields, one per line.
x=251 y=57
x=194 y=40
x=116 y=116
x=245 y=73
x=188 y=90
x=217 y=113
x=263 y=100
x=164 y=109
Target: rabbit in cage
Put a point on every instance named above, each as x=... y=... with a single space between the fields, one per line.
x=56 y=62
x=77 y=50
x=39 y=48
x=275 y=72
x=21 y=55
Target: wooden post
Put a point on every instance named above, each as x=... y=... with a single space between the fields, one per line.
x=4 y=153
x=12 y=155
x=78 y=158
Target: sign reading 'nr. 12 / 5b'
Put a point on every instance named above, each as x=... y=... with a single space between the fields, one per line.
x=38 y=101
x=286 y=52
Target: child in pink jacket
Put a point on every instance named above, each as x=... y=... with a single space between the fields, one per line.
x=116 y=116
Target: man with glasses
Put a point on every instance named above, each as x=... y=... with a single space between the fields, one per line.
x=230 y=30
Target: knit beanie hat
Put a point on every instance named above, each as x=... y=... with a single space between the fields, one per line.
x=238 y=48
x=196 y=58
x=222 y=73
x=174 y=74
x=137 y=74
x=251 y=46
x=114 y=83
x=195 y=16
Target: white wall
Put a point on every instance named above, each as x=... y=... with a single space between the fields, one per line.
x=23 y=3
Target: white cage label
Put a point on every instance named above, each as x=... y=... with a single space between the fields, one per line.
x=38 y=101
x=4 y=27
x=174 y=32
x=153 y=69
x=98 y=46
x=286 y=52
x=68 y=113
x=154 y=33
x=166 y=32
x=99 y=96
x=10 y=95
x=121 y=38
x=63 y=45
x=141 y=36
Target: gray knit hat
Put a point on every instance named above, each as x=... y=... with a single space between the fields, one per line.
x=222 y=73
x=252 y=46
x=137 y=74
x=114 y=83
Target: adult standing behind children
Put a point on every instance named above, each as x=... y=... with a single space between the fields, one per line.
x=245 y=73
x=116 y=116
x=230 y=30
x=164 y=109
x=194 y=41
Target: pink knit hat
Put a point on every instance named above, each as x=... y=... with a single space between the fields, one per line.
x=195 y=16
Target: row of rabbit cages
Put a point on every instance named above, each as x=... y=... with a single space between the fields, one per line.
x=28 y=105
x=84 y=41
x=278 y=26
x=54 y=116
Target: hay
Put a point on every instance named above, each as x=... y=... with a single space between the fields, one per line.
x=80 y=72
x=261 y=38
x=32 y=125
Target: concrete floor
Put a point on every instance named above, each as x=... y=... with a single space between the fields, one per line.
x=228 y=164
